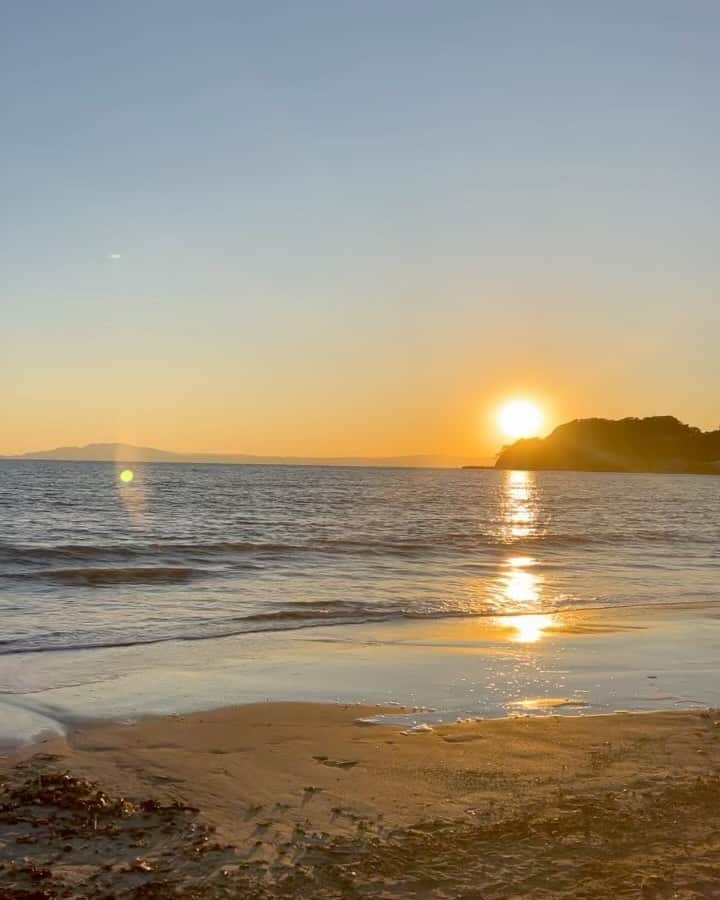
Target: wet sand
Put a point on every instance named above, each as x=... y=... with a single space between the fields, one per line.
x=304 y=800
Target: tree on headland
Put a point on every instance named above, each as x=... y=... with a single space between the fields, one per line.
x=653 y=444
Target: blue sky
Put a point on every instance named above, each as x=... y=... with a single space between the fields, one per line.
x=351 y=227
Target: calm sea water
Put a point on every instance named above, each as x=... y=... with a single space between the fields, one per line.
x=196 y=551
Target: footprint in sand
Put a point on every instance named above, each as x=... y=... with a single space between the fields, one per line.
x=165 y=779
x=309 y=792
x=336 y=763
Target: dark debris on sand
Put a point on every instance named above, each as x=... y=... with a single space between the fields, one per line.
x=64 y=837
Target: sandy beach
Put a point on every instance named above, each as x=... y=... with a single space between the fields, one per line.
x=306 y=800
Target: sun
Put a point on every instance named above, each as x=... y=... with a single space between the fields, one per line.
x=519 y=419
x=127 y=476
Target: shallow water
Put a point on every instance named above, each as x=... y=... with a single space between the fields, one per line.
x=568 y=663
x=195 y=551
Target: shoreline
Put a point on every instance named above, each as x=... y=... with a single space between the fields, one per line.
x=593 y=660
x=391 y=619
x=302 y=799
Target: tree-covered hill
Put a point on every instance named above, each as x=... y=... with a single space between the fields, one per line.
x=653 y=444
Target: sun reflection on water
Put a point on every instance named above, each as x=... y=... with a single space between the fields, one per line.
x=518 y=588
x=527 y=629
x=518 y=506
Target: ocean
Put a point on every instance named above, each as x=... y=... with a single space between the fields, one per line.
x=190 y=552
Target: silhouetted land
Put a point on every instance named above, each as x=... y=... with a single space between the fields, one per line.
x=654 y=444
x=129 y=453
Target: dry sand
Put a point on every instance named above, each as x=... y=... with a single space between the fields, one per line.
x=299 y=800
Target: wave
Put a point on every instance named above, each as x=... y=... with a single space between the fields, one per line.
x=262 y=622
x=307 y=616
x=331 y=609
x=124 y=552
x=30 y=554
x=455 y=542
x=106 y=576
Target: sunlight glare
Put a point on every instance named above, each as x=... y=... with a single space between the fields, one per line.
x=528 y=629
x=519 y=419
x=127 y=475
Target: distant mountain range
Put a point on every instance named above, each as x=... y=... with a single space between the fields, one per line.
x=116 y=452
x=654 y=444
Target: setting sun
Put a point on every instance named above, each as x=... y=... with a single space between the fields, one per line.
x=519 y=419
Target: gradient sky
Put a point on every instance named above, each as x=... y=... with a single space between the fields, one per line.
x=353 y=228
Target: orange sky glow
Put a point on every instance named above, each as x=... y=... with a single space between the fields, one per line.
x=321 y=245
